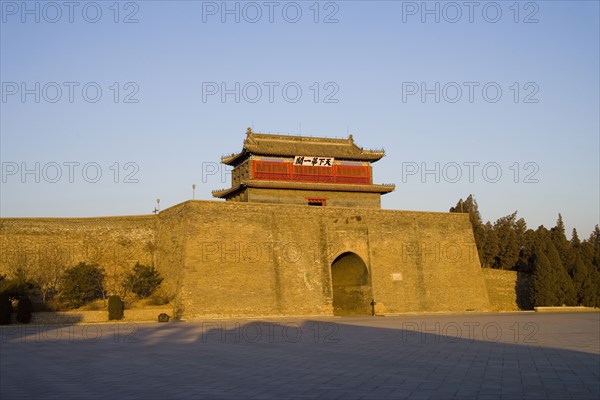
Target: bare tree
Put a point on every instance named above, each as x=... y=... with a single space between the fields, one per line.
x=49 y=268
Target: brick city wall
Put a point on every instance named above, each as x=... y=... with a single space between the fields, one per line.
x=38 y=245
x=507 y=290
x=223 y=259
x=263 y=259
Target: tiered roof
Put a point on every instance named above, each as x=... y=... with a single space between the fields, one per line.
x=289 y=146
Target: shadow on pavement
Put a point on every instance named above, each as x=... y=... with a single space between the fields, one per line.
x=487 y=357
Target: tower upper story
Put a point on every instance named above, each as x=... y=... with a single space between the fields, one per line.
x=303 y=170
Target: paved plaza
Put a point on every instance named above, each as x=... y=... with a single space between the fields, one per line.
x=471 y=356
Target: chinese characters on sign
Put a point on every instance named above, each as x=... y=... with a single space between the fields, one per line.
x=313 y=161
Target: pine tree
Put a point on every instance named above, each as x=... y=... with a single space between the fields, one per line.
x=543 y=282
x=489 y=246
x=508 y=249
x=575 y=242
x=590 y=253
x=583 y=280
x=566 y=292
x=586 y=251
x=595 y=292
x=559 y=239
x=526 y=250
x=521 y=231
x=594 y=241
x=470 y=206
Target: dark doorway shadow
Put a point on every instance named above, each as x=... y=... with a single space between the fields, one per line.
x=351 y=284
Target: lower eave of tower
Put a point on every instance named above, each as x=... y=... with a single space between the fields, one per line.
x=332 y=187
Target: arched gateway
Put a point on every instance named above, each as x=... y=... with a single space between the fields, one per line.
x=351 y=283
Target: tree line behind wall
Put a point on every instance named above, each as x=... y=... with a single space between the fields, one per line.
x=562 y=271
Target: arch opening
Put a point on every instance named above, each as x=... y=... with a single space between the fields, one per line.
x=351 y=284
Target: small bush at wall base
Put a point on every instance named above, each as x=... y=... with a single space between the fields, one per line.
x=160 y=299
x=5 y=309
x=115 y=308
x=143 y=280
x=24 y=309
x=162 y=317
x=82 y=284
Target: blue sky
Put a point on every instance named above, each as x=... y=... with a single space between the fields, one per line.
x=425 y=90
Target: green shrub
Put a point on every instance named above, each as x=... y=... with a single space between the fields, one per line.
x=24 y=309
x=115 y=308
x=143 y=280
x=18 y=286
x=81 y=284
x=5 y=309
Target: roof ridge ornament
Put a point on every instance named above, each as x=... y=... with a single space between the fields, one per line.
x=249 y=139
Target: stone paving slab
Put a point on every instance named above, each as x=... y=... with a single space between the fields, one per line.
x=470 y=356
